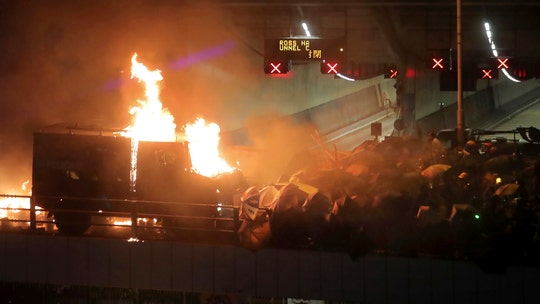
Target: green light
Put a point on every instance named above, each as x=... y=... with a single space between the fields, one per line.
x=477 y=216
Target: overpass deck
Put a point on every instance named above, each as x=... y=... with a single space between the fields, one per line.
x=98 y=268
x=94 y=265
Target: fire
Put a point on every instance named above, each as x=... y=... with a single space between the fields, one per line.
x=203 y=141
x=11 y=206
x=141 y=222
x=151 y=122
x=16 y=207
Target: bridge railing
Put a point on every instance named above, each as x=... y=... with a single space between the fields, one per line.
x=134 y=219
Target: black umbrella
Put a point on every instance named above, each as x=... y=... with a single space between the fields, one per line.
x=435 y=170
x=503 y=164
x=507 y=189
x=288 y=221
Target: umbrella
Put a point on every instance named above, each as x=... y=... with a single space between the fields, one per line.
x=428 y=216
x=373 y=160
x=291 y=195
x=534 y=134
x=256 y=203
x=507 y=189
x=317 y=204
x=266 y=197
x=254 y=235
x=357 y=169
x=462 y=211
x=502 y=164
x=288 y=221
x=254 y=232
x=250 y=203
x=435 y=170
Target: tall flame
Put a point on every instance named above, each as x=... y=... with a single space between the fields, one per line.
x=150 y=121
x=203 y=141
x=153 y=123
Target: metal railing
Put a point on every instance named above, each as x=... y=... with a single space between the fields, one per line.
x=188 y=220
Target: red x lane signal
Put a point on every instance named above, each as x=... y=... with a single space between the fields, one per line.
x=502 y=63
x=276 y=66
x=487 y=74
x=329 y=67
x=437 y=63
x=392 y=73
x=481 y=72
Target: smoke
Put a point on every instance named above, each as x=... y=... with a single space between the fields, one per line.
x=69 y=62
x=280 y=146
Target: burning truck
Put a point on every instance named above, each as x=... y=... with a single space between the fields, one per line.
x=78 y=174
x=141 y=171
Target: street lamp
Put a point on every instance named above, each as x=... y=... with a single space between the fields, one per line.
x=459 y=129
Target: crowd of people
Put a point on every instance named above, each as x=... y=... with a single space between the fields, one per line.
x=405 y=196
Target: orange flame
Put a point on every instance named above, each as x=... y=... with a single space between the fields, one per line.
x=17 y=207
x=150 y=121
x=203 y=141
x=153 y=123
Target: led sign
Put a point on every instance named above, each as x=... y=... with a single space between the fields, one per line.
x=304 y=49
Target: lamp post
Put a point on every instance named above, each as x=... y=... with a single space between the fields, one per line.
x=459 y=128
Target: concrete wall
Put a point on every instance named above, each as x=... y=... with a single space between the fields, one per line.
x=479 y=106
x=506 y=91
x=428 y=95
x=308 y=98
x=266 y=273
x=301 y=89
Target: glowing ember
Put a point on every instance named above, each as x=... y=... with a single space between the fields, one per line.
x=123 y=222
x=203 y=141
x=17 y=207
x=141 y=222
x=11 y=206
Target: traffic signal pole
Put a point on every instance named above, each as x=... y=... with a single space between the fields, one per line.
x=459 y=122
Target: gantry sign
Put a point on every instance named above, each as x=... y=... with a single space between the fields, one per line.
x=279 y=52
x=304 y=49
x=518 y=68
